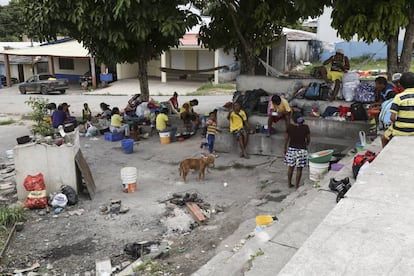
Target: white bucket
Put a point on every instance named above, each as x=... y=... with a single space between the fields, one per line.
x=317 y=170
x=9 y=154
x=129 y=179
x=165 y=137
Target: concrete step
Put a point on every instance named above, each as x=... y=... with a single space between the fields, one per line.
x=303 y=212
x=262 y=145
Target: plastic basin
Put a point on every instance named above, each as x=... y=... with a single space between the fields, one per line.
x=323 y=156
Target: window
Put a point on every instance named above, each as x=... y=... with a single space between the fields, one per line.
x=66 y=64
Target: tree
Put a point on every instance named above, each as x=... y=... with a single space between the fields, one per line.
x=381 y=20
x=249 y=26
x=11 y=28
x=113 y=31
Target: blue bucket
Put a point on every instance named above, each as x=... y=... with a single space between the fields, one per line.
x=128 y=145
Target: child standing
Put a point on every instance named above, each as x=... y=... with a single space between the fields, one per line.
x=86 y=112
x=212 y=129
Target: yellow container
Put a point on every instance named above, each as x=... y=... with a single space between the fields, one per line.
x=264 y=220
x=165 y=138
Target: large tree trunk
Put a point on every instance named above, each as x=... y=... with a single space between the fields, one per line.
x=392 y=54
x=143 y=78
x=407 y=50
x=248 y=64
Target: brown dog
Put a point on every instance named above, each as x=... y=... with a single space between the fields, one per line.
x=199 y=164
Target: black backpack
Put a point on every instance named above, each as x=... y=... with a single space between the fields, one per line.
x=317 y=91
x=358 y=112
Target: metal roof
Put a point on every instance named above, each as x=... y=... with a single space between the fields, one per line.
x=71 y=48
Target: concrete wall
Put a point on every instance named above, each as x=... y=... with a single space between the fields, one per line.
x=325 y=134
x=57 y=164
x=127 y=70
x=270 y=84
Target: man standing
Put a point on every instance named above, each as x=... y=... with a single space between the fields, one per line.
x=339 y=65
x=238 y=126
x=402 y=111
x=278 y=109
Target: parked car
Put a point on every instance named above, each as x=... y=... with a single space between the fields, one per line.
x=4 y=82
x=44 y=83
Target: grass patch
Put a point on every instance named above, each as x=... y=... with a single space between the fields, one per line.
x=359 y=63
x=7 y=122
x=152 y=267
x=211 y=88
x=8 y=217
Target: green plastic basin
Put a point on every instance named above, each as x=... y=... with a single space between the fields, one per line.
x=323 y=156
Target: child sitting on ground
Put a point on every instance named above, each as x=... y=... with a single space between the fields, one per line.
x=212 y=129
x=86 y=113
x=116 y=123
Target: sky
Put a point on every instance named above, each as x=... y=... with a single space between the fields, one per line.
x=4 y=2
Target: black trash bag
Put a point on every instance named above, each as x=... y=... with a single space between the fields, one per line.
x=70 y=193
x=137 y=250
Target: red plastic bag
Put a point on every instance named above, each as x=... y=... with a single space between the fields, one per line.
x=36 y=199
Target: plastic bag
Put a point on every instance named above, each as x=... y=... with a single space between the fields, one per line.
x=59 y=200
x=36 y=199
x=91 y=131
x=70 y=194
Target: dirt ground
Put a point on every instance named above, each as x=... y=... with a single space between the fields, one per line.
x=70 y=244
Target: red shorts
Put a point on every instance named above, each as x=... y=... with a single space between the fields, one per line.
x=276 y=119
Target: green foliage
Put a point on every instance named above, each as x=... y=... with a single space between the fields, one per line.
x=39 y=111
x=7 y=122
x=11 y=215
x=371 y=19
x=113 y=31
x=152 y=267
x=209 y=85
x=11 y=27
x=250 y=26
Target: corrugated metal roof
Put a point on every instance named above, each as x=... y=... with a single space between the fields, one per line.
x=293 y=34
x=65 y=49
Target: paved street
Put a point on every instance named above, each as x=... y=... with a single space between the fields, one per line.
x=117 y=94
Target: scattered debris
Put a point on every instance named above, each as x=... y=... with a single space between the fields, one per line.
x=103 y=267
x=77 y=212
x=114 y=207
x=195 y=211
x=136 y=250
x=33 y=267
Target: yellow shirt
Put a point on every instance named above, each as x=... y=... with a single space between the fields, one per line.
x=236 y=123
x=161 y=121
x=116 y=120
x=281 y=108
x=190 y=109
x=403 y=107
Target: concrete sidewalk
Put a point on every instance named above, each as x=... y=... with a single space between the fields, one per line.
x=370 y=231
x=156 y=88
x=304 y=210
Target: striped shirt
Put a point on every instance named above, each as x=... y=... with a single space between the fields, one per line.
x=211 y=127
x=403 y=107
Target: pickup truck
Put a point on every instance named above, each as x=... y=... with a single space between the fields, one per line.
x=44 y=83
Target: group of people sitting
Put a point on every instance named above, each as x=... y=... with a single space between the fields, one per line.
x=61 y=115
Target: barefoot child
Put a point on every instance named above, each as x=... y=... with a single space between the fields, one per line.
x=212 y=129
x=297 y=139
